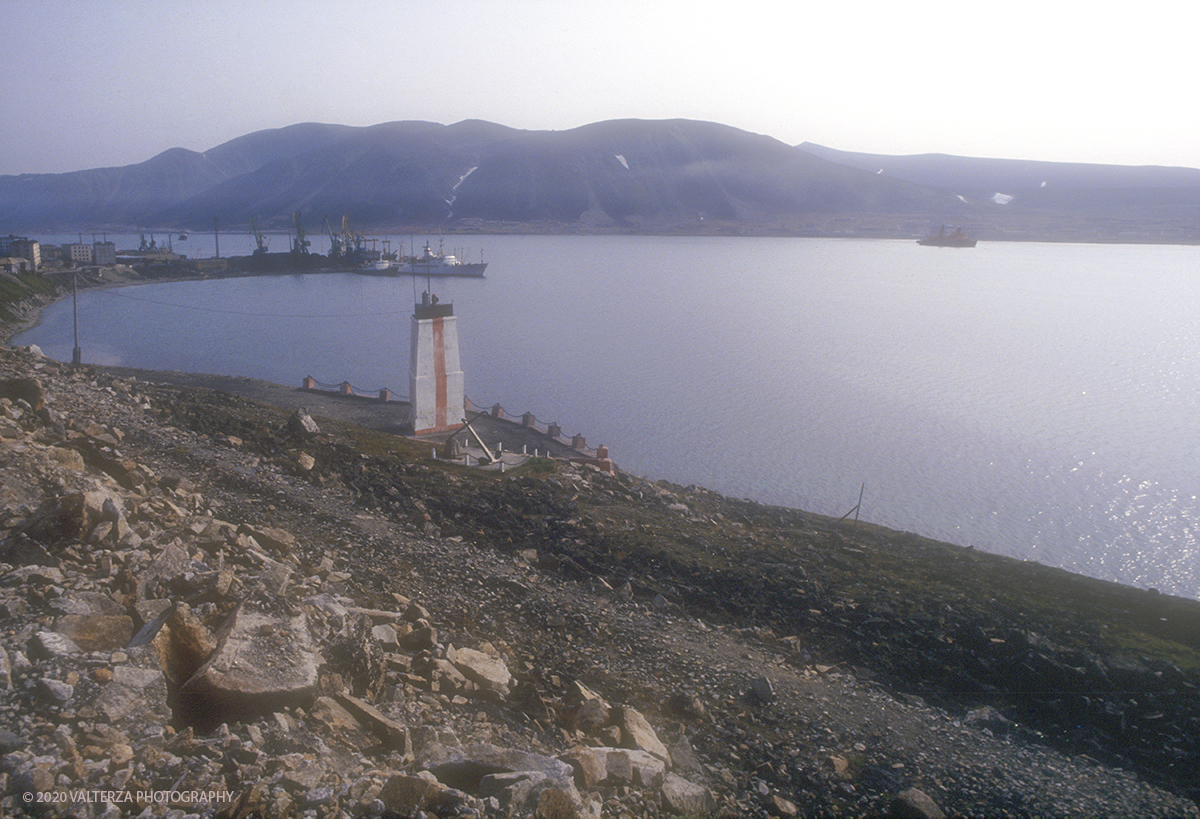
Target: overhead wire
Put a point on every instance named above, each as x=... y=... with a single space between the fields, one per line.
x=116 y=294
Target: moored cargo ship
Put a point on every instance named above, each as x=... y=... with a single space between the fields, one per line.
x=944 y=239
x=430 y=263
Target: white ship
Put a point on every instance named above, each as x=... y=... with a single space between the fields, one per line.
x=438 y=264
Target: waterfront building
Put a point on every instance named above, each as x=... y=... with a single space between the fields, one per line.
x=27 y=249
x=13 y=265
x=78 y=253
x=104 y=253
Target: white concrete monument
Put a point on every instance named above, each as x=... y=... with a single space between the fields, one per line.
x=435 y=377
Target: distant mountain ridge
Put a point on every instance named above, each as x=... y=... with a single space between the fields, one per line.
x=1139 y=202
x=964 y=172
x=613 y=176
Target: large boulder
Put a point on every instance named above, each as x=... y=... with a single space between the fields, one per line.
x=637 y=734
x=264 y=662
x=183 y=644
x=630 y=767
x=96 y=632
x=279 y=541
x=488 y=672
x=685 y=798
x=302 y=425
x=392 y=734
x=463 y=767
x=914 y=804
x=29 y=390
x=517 y=778
x=405 y=795
x=590 y=765
x=136 y=695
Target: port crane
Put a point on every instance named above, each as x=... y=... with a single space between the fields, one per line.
x=354 y=249
x=335 y=243
x=259 y=239
x=300 y=243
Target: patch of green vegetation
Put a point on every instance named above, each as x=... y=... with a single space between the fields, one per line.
x=375 y=443
x=539 y=466
x=1145 y=645
x=21 y=286
x=888 y=573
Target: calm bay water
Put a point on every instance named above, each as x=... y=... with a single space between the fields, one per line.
x=1038 y=401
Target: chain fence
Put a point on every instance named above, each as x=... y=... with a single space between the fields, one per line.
x=526 y=419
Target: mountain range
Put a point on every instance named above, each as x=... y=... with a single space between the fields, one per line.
x=631 y=176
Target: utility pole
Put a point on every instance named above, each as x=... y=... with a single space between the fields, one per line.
x=77 y=355
x=217 y=237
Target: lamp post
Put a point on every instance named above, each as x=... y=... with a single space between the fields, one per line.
x=77 y=355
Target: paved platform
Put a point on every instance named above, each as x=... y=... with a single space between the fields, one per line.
x=510 y=436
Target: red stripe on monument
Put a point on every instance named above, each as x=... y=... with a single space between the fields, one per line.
x=439 y=373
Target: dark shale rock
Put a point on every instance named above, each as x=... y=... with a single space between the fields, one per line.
x=407 y=795
x=393 y=734
x=762 y=690
x=357 y=657
x=28 y=390
x=914 y=804
x=302 y=425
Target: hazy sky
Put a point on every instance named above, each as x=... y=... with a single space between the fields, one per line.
x=93 y=83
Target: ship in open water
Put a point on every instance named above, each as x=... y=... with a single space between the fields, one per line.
x=943 y=239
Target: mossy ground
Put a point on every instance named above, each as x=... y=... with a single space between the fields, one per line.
x=624 y=526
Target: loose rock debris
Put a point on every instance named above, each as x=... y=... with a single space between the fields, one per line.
x=195 y=621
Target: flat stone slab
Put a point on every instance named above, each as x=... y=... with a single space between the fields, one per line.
x=483 y=669
x=262 y=661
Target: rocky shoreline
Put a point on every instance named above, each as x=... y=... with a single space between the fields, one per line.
x=212 y=607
